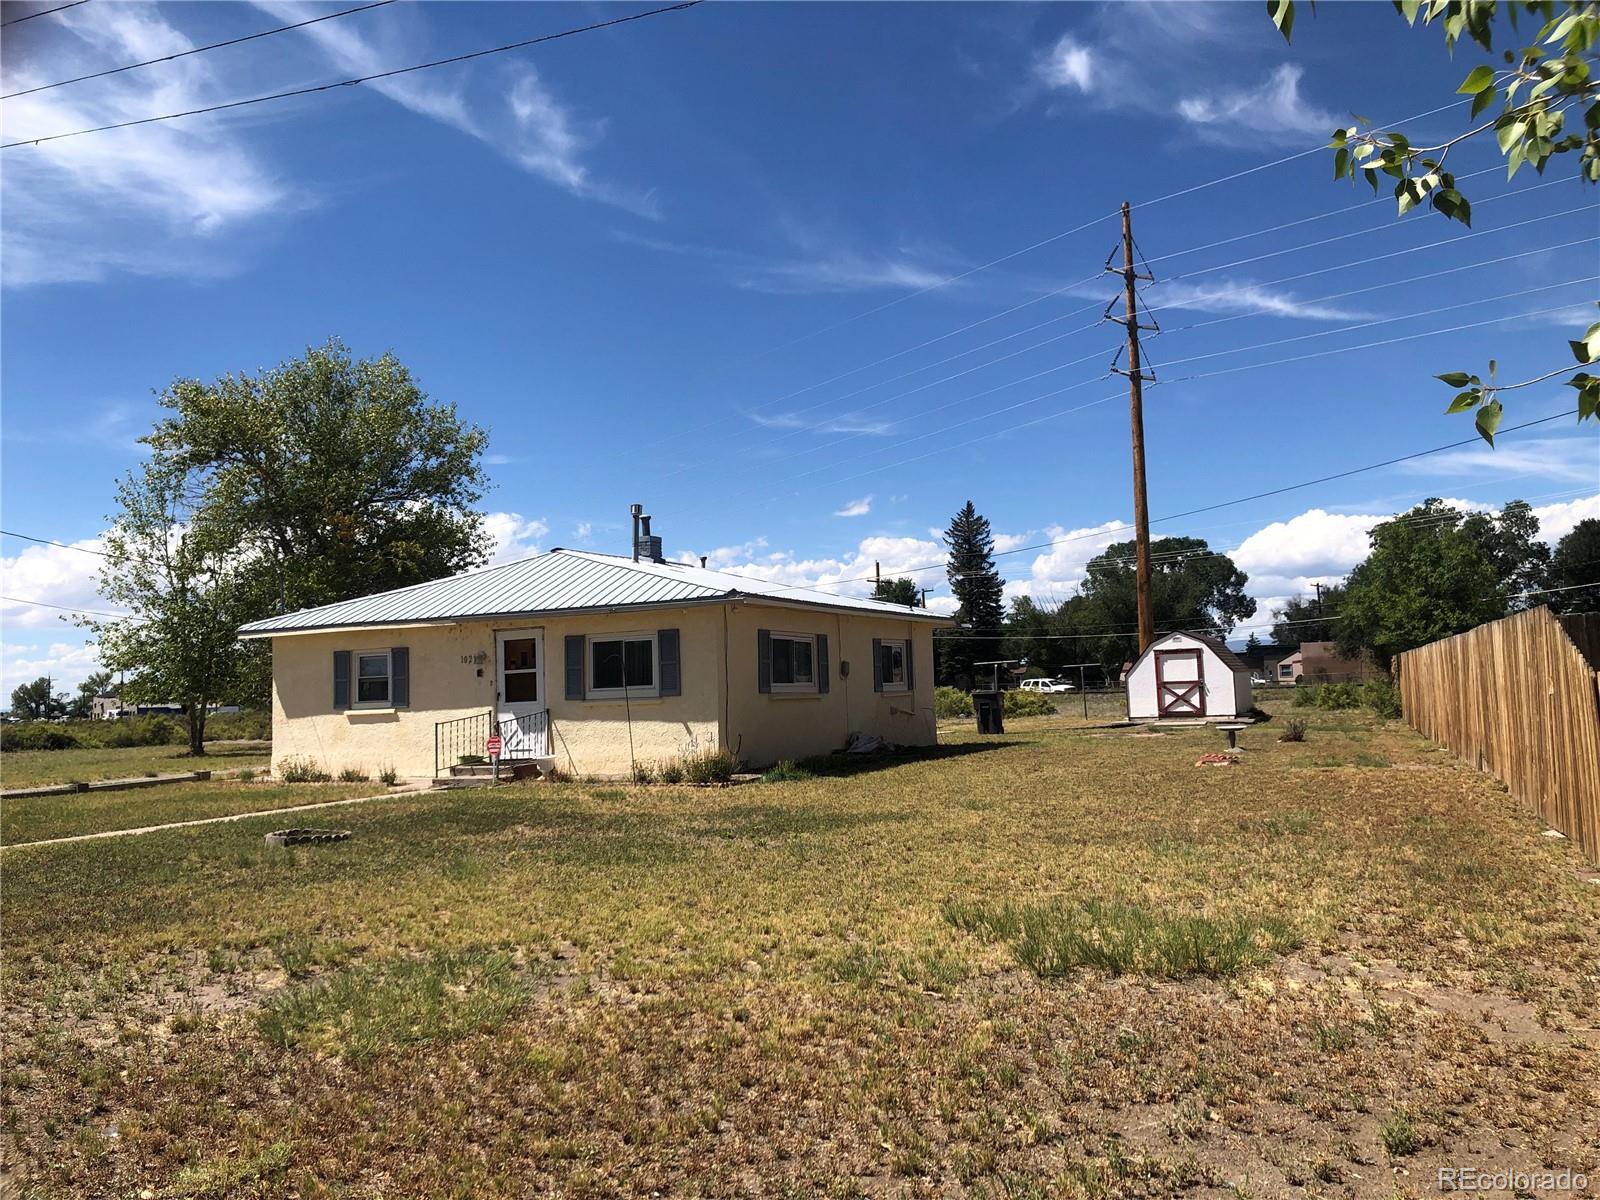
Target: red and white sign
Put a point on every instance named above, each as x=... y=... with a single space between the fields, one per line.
x=495 y=745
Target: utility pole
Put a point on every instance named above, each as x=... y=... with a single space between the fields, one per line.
x=1136 y=380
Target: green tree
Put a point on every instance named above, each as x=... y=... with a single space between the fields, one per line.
x=1307 y=618
x=1191 y=587
x=82 y=705
x=1548 y=93
x=1575 y=570
x=36 y=701
x=1426 y=578
x=1511 y=540
x=897 y=591
x=187 y=590
x=979 y=593
x=337 y=477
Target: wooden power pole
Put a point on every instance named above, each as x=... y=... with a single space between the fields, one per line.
x=1136 y=380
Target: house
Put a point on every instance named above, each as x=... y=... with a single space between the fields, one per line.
x=592 y=662
x=1320 y=662
x=1188 y=675
x=106 y=707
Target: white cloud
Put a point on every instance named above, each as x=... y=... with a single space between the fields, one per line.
x=583 y=530
x=843 y=423
x=67 y=665
x=514 y=536
x=1245 y=297
x=50 y=575
x=149 y=200
x=1565 y=459
x=855 y=508
x=818 y=267
x=1055 y=574
x=1069 y=64
x=1273 y=109
x=524 y=121
x=849 y=574
x=1557 y=520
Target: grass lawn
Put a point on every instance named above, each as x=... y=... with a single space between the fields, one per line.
x=37 y=818
x=35 y=768
x=1064 y=963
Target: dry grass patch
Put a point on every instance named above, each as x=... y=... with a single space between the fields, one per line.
x=1058 y=964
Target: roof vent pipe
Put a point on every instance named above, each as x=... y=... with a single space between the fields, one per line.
x=635 y=510
x=702 y=562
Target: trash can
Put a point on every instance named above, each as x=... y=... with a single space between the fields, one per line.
x=990 y=707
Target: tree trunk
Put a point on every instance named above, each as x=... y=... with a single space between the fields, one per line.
x=197 y=728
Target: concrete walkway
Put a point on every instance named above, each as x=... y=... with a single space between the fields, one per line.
x=415 y=790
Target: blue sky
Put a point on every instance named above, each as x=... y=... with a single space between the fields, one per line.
x=732 y=263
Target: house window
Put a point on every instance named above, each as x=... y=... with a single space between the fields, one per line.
x=519 y=670
x=372 y=680
x=622 y=665
x=892 y=665
x=1285 y=670
x=794 y=662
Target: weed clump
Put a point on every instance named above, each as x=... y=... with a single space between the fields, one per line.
x=302 y=770
x=1056 y=938
x=1294 y=730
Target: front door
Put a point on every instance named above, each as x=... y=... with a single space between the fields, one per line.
x=521 y=704
x=1180 y=684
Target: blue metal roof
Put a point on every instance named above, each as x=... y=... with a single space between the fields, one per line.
x=562 y=581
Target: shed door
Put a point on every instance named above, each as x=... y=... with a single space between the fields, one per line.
x=1180 y=684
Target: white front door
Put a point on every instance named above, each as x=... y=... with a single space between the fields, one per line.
x=521 y=702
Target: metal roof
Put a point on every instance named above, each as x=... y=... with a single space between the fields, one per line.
x=563 y=581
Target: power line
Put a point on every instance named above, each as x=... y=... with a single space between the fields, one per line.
x=1278 y=491
x=49 y=542
x=82 y=612
x=249 y=37
x=1089 y=307
x=43 y=12
x=325 y=87
x=985 y=416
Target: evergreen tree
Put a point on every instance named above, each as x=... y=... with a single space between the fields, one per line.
x=979 y=593
x=897 y=591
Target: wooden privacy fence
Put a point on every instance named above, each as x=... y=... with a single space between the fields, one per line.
x=1520 y=699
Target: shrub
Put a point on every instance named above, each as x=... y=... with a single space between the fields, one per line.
x=389 y=776
x=254 y=726
x=1294 y=730
x=643 y=772
x=1376 y=694
x=152 y=730
x=352 y=775
x=1027 y=704
x=709 y=766
x=670 y=771
x=36 y=736
x=787 y=771
x=245 y=774
x=472 y=760
x=302 y=770
x=952 y=702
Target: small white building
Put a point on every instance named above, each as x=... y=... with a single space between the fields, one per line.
x=1188 y=676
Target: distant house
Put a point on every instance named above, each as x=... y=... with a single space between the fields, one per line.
x=591 y=662
x=1188 y=675
x=105 y=707
x=1320 y=662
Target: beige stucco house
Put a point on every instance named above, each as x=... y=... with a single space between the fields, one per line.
x=592 y=662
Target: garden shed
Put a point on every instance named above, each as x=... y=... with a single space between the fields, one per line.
x=1188 y=676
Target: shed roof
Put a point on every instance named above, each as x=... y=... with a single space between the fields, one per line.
x=1220 y=648
x=563 y=581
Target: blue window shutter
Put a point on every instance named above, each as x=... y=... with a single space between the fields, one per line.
x=667 y=659
x=911 y=653
x=574 y=666
x=763 y=660
x=822 y=663
x=877 y=664
x=341 y=680
x=400 y=677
